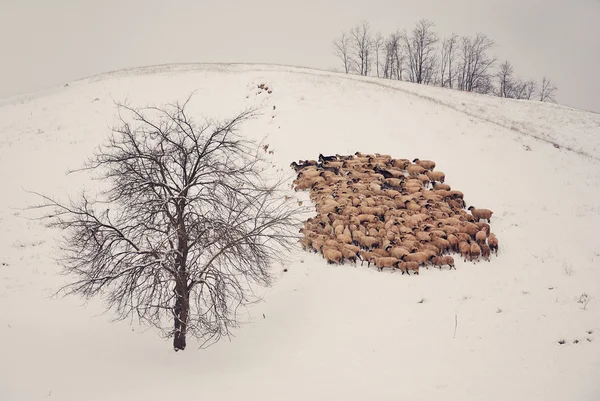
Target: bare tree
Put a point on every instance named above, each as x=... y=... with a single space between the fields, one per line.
x=421 y=52
x=506 y=82
x=342 y=50
x=448 y=61
x=362 y=43
x=187 y=225
x=378 y=44
x=394 y=57
x=529 y=89
x=547 y=90
x=475 y=64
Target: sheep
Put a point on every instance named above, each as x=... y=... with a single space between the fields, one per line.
x=493 y=242
x=317 y=244
x=415 y=169
x=481 y=237
x=465 y=250
x=331 y=243
x=453 y=240
x=424 y=179
x=369 y=257
x=441 y=243
x=423 y=236
x=368 y=242
x=470 y=229
x=400 y=163
x=306 y=242
x=439 y=185
x=332 y=255
x=436 y=176
x=349 y=254
x=475 y=251
x=371 y=206
x=405 y=267
x=323 y=159
x=381 y=252
x=397 y=252
x=484 y=227
x=344 y=238
x=428 y=164
x=440 y=261
x=485 y=252
x=463 y=236
x=480 y=214
x=386 y=262
x=353 y=248
x=419 y=257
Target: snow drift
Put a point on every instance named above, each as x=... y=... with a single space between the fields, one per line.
x=485 y=331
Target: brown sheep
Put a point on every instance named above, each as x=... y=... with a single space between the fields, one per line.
x=453 y=240
x=481 y=237
x=457 y=195
x=353 y=248
x=419 y=257
x=442 y=244
x=444 y=187
x=405 y=267
x=465 y=250
x=470 y=229
x=332 y=255
x=424 y=179
x=381 y=252
x=475 y=251
x=331 y=243
x=386 y=262
x=385 y=206
x=349 y=254
x=440 y=261
x=317 y=244
x=415 y=169
x=369 y=257
x=484 y=227
x=428 y=164
x=480 y=214
x=397 y=252
x=493 y=242
x=485 y=252
x=436 y=176
x=343 y=238
x=463 y=237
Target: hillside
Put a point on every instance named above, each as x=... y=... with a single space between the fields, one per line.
x=325 y=332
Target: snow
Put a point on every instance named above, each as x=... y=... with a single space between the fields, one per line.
x=328 y=332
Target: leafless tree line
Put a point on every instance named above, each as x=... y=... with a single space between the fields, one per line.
x=458 y=62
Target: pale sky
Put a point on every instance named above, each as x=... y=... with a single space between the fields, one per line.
x=49 y=42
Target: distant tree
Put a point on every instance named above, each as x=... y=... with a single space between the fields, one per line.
x=547 y=90
x=448 y=61
x=420 y=48
x=378 y=45
x=394 y=57
x=362 y=44
x=475 y=64
x=506 y=83
x=342 y=50
x=186 y=226
x=529 y=89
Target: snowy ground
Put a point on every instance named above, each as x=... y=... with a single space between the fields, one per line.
x=328 y=332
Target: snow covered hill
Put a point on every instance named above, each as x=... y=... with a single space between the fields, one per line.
x=487 y=331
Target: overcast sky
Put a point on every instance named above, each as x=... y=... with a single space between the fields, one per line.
x=48 y=42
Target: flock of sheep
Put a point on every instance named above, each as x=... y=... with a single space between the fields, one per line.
x=393 y=213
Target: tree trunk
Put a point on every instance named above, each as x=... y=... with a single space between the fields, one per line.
x=181 y=312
